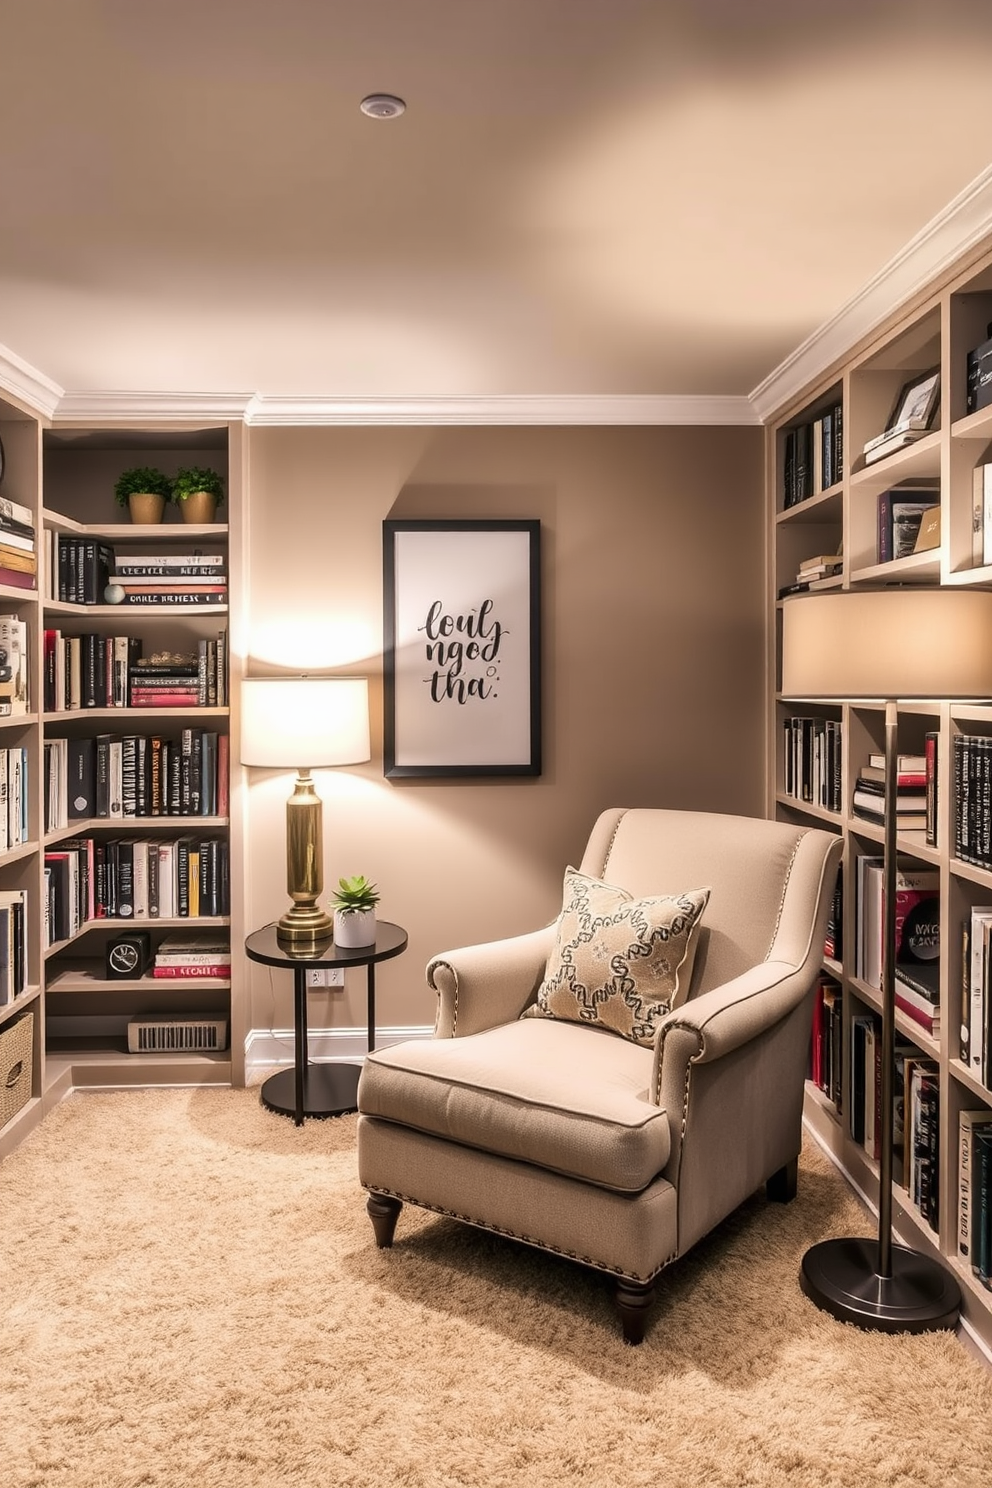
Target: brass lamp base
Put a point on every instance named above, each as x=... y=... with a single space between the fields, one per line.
x=304 y=925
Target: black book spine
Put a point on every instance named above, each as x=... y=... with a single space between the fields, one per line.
x=129 y=775
x=125 y=880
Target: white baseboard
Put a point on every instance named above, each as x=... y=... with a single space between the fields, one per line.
x=272 y=1048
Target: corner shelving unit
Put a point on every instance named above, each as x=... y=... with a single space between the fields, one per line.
x=937 y=329
x=66 y=475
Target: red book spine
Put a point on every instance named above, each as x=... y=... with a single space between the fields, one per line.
x=180 y=972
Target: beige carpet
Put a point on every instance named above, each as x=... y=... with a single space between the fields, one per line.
x=190 y=1294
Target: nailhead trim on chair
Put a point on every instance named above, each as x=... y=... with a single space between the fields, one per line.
x=613 y=837
x=481 y=1224
x=785 y=890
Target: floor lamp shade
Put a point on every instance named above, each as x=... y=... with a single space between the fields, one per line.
x=897 y=643
x=304 y=723
x=884 y=646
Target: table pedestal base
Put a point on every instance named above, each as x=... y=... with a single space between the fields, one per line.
x=328 y=1090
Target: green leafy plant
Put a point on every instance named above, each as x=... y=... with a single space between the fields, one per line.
x=142 y=480
x=355 y=895
x=197 y=478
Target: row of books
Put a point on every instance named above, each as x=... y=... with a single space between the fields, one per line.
x=136 y=775
x=975 y=1046
x=975 y=1192
x=813 y=456
x=812 y=760
x=13 y=944
x=180 y=957
x=917 y=925
x=84 y=570
x=18 y=556
x=908 y=522
x=826 y=1040
x=99 y=671
x=916 y=791
x=14 y=667
x=915 y=1112
x=131 y=878
x=972 y=786
x=14 y=797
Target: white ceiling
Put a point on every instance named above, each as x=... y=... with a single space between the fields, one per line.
x=633 y=197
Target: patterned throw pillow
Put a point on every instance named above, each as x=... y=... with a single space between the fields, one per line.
x=619 y=962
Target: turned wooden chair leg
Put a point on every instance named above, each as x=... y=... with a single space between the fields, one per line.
x=383 y=1212
x=781 y=1186
x=633 y=1300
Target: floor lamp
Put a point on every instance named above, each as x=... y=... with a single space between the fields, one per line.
x=905 y=644
x=303 y=723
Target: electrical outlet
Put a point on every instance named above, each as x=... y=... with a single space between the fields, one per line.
x=325 y=976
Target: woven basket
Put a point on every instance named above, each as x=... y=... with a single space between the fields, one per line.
x=16 y=1064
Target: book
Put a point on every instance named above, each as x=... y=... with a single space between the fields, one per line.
x=896 y=440
x=81 y=777
x=928 y=533
x=909 y=763
x=822 y=560
x=905 y=779
x=17 y=579
x=165 y=597
x=981 y=1257
x=932 y=798
x=16 y=512
x=167 y=563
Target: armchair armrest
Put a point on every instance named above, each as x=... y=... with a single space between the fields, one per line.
x=708 y=1027
x=482 y=986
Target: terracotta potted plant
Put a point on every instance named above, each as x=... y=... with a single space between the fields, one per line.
x=354 y=901
x=199 y=491
x=144 y=490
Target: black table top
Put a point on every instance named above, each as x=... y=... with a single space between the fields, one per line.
x=262 y=945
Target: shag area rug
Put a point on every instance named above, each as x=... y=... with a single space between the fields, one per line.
x=190 y=1294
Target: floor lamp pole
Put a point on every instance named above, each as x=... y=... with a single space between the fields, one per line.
x=874 y=1283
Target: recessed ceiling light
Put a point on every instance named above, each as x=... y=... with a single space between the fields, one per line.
x=383 y=106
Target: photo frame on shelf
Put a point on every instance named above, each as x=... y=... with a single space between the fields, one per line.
x=462 y=648
x=917 y=403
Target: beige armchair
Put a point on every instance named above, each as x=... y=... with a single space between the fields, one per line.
x=663 y=1083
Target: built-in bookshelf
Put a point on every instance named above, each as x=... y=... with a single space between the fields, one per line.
x=125 y=823
x=842 y=534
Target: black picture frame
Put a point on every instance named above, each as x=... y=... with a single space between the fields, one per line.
x=461 y=648
x=918 y=401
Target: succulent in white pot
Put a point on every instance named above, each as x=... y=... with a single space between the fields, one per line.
x=354 y=902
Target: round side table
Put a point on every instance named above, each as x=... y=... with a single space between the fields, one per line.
x=320 y=1089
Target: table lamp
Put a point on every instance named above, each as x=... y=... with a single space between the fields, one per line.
x=304 y=723
x=886 y=645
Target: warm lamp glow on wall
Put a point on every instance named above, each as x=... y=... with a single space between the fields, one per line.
x=304 y=723
x=894 y=644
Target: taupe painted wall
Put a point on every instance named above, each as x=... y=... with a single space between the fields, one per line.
x=653 y=663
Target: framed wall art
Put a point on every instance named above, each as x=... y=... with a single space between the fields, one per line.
x=462 y=647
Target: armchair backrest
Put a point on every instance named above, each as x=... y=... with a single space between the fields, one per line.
x=766 y=880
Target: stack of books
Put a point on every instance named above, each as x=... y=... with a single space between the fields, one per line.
x=186 y=957
x=18 y=559
x=190 y=579
x=911 y=792
x=811 y=571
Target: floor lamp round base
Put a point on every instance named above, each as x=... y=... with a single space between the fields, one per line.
x=919 y=1297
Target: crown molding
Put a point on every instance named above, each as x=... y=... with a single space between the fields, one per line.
x=962 y=224
x=640 y=409
x=136 y=408
x=27 y=384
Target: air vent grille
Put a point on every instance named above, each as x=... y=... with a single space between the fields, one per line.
x=177 y=1035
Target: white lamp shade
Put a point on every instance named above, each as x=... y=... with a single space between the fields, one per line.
x=304 y=722
x=894 y=643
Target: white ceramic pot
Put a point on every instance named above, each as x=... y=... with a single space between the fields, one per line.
x=354 y=928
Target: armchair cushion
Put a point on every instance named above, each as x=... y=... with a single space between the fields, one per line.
x=569 y=1099
x=618 y=962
